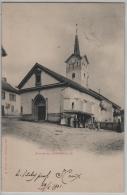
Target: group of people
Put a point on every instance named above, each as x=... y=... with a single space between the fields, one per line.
x=77 y=123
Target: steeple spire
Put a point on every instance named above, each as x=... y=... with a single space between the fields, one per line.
x=76 y=45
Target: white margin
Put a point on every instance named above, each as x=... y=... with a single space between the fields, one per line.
x=125 y=100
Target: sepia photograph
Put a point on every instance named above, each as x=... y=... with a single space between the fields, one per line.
x=62 y=97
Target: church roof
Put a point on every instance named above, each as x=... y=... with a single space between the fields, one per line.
x=7 y=87
x=64 y=81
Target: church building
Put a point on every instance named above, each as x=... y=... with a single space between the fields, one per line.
x=47 y=95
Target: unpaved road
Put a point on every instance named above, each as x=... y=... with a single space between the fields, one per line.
x=40 y=147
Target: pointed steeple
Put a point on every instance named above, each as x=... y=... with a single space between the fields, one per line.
x=76 y=45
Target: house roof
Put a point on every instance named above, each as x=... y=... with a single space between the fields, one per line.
x=7 y=87
x=3 y=52
x=66 y=82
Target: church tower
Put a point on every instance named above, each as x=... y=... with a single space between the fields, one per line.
x=77 y=65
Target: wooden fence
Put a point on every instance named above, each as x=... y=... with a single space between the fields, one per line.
x=119 y=127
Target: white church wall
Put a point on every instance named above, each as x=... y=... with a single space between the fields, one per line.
x=53 y=100
x=81 y=100
x=96 y=111
x=61 y=99
x=46 y=79
x=86 y=103
x=68 y=104
x=30 y=83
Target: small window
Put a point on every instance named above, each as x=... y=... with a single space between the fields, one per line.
x=38 y=77
x=73 y=75
x=12 y=97
x=3 y=111
x=3 y=95
x=72 y=105
x=21 y=109
x=7 y=106
x=84 y=74
x=12 y=108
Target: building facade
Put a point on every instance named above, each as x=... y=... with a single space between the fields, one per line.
x=11 y=103
x=46 y=95
x=50 y=96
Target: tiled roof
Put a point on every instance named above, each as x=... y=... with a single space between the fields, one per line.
x=7 y=87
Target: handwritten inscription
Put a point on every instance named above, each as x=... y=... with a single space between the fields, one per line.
x=50 y=181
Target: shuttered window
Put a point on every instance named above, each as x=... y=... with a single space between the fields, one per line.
x=12 y=97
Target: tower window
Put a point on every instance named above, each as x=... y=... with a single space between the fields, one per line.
x=72 y=105
x=84 y=74
x=73 y=75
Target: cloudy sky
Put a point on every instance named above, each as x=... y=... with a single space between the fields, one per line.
x=44 y=33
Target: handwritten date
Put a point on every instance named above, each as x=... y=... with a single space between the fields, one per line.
x=50 y=181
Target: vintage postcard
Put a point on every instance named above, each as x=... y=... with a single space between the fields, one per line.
x=62 y=97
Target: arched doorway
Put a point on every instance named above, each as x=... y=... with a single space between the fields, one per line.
x=39 y=107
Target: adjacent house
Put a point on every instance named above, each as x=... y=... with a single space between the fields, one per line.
x=11 y=105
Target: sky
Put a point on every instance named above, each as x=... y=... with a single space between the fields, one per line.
x=45 y=33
